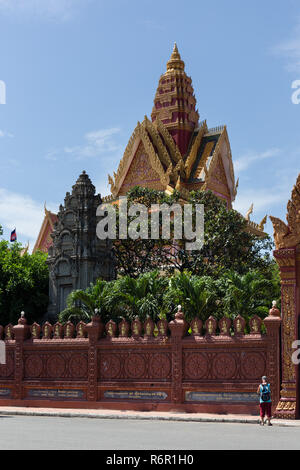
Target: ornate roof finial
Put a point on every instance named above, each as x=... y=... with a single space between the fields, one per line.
x=175 y=62
x=45 y=209
x=249 y=212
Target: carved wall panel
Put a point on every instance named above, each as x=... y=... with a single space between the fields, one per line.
x=128 y=366
x=63 y=366
x=196 y=366
x=233 y=365
x=7 y=370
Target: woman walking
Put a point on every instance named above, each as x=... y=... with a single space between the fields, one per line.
x=265 y=402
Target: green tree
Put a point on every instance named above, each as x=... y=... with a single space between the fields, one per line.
x=248 y=294
x=125 y=297
x=142 y=296
x=228 y=245
x=23 y=283
x=135 y=257
x=81 y=304
x=196 y=295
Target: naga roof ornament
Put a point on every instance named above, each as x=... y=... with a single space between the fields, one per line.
x=288 y=235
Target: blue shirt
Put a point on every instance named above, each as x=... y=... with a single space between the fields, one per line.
x=267 y=388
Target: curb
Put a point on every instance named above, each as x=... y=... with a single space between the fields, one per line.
x=65 y=414
x=145 y=417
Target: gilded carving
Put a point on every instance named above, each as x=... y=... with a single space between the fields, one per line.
x=206 y=154
x=141 y=172
x=286 y=406
x=287 y=236
x=219 y=174
x=158 y=143
x=174 y=150
x=194 y=150
x=263 y=222
x=288 y=333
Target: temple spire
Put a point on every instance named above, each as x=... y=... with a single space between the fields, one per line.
x=175 y=103
x=175 y=62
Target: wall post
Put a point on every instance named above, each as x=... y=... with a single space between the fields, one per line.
x=21 y=332
x=94 y=330
x=178 y=328
x=272 y=324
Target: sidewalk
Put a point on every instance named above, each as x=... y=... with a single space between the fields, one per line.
x=145 y=415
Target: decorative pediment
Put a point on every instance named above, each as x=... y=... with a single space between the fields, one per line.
x=141 y=173
x=44 y=240
x=222 y=153
x=209 y=162
x=218 y=179
x=151 y=142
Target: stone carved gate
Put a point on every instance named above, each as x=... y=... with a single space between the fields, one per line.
x=287 y=255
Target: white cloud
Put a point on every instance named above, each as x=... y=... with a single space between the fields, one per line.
x=46 y=9
x=246 y=160
x=102 y=186
x=96 y=143
x=271 y=200
x=290 y=50
x=262 y=199
x=23 y=213
x=4 y=133
x=273 y=196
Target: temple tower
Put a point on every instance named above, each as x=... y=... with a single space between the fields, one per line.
x=175 y=102
x=77 y=257
x=173 y=151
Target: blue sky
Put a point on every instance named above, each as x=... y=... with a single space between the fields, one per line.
x=79 y=74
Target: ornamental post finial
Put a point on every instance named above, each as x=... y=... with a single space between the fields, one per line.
x=274 y=312
x=22 y=320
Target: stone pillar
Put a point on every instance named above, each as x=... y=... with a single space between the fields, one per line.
x=288 y=406
x=178 y=328
x=94 y=330
x=272 y=324
x=21 y=332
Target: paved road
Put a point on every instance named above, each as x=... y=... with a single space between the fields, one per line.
x=34 y=432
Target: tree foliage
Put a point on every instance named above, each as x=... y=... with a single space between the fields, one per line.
x=135 y=257
x=23 y=283
x=81 y=304
x=157 y=296
x=228 y=245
